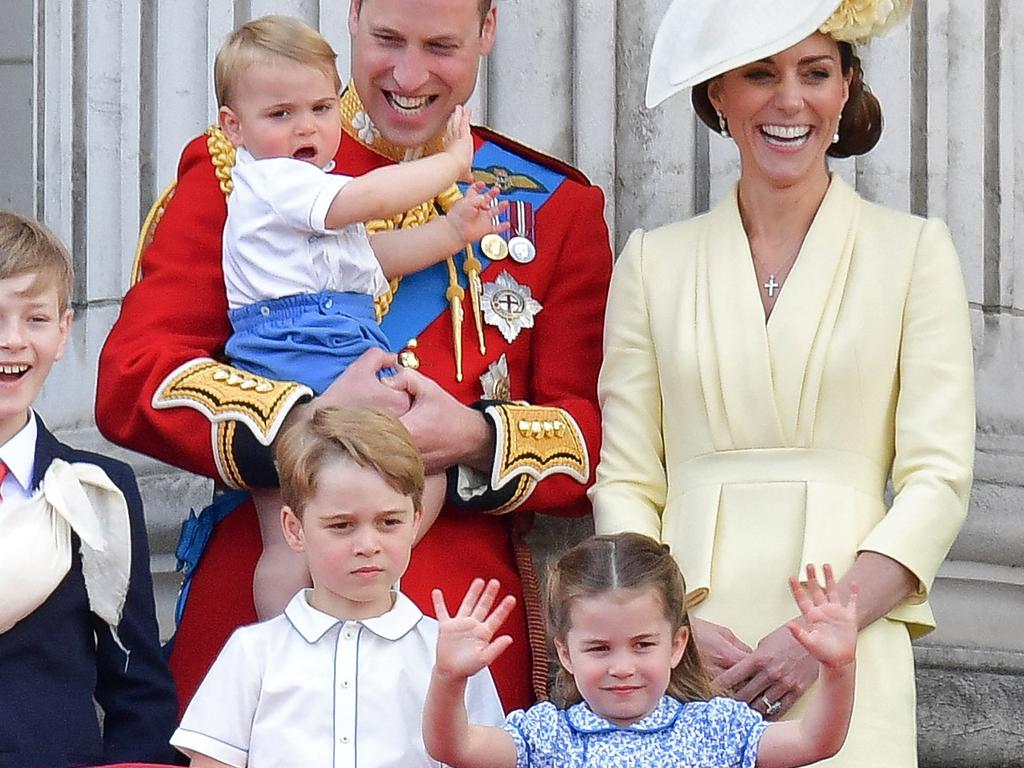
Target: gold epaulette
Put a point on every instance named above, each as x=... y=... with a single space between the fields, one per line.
x=533 y=442
x=226 y=396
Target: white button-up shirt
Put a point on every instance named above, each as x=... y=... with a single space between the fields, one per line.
x=307 y=689
x=275 y=239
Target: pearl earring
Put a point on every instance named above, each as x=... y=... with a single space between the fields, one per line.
x=723 y=127
x=835 y=136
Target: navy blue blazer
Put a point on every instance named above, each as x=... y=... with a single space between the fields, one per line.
x=57 y=660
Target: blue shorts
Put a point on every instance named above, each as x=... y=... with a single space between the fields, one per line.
x=310 y=338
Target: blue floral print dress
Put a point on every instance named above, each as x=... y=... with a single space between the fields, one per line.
x=720 y=733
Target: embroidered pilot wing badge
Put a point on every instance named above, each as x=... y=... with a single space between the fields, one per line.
x=509 y=305
x=506 y=181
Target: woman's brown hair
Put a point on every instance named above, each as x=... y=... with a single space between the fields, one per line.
x=604 y=564
x=860 y=126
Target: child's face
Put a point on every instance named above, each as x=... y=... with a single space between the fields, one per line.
x=281 y=108
x=621 y=651
x=33 y=332
x=357 y=533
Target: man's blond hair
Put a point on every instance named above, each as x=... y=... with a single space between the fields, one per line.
x=372 y=439
x=264 y=39
x=27 y=247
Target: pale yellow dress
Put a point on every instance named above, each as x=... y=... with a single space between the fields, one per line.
x=753 y=450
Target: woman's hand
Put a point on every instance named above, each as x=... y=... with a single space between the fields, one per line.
x=466 y=642
x=777 y=672
x=719 y=648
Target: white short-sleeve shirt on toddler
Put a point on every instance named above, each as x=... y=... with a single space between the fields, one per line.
x=276 y=242
x=306 y=688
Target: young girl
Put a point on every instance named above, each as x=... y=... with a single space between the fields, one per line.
x=637 y=691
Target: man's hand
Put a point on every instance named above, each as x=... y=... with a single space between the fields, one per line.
x=359 y=387
x=445 y=431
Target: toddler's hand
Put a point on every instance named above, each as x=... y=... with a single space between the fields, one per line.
x=458 y=141
x=830 y=626
x=466 y=642
x=473 y=216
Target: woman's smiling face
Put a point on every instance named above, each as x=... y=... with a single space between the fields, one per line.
x=782 y=111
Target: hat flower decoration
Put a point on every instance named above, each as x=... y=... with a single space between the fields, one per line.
x=857 y=21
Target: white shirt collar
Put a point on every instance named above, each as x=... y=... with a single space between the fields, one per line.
x=313 y=624
x=19 y=453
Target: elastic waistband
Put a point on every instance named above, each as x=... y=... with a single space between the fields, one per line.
x=349 y=303
x=781 y=465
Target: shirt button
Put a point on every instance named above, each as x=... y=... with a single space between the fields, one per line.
x=344 y=683
x=329 y=303
x=344 y=739
x=348 y=634
x=265 y=311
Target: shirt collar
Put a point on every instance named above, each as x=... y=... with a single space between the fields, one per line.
x=583 y=719
x=19 y=453
x=313 y=624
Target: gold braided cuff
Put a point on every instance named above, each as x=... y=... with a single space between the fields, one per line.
x=228 y=396
x=534 y=442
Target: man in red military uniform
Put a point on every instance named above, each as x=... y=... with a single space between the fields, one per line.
x=506 y=338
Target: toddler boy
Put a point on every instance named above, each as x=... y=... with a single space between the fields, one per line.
x=301 y=273
x=77 y=621
x=340 y=678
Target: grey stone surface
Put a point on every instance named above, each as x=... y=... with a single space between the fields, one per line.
x=969 y=718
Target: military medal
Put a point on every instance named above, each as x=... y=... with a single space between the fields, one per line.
x=494 y=245
x=509 y=305
x=495 y=381
x=521 y=221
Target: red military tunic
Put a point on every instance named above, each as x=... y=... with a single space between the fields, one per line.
x=161 y=393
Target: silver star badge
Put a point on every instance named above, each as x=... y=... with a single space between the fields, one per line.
x=496 y=382
x=509 y=306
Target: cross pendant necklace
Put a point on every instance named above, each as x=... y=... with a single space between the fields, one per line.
x=771 y=286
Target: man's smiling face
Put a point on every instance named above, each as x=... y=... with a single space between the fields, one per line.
x=413 y=62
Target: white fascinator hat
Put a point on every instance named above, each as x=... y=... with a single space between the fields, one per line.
x=700 y=39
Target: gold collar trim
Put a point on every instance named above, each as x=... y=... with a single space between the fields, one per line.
x=356 y=122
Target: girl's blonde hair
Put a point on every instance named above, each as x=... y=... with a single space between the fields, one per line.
x=603 y=564
x=264 y=39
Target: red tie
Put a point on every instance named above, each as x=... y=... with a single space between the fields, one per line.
x=3 y=474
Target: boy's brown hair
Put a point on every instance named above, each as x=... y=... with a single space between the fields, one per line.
x=26 y=246
x=372 y=439
x=264 y=39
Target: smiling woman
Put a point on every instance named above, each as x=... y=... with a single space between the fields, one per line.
x=826 y=349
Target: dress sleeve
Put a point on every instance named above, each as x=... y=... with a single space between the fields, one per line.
x=631 y=486
x=535 y=732
x=135 y=691
x=733 y=732
x=934 y=459
x=218 y=721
